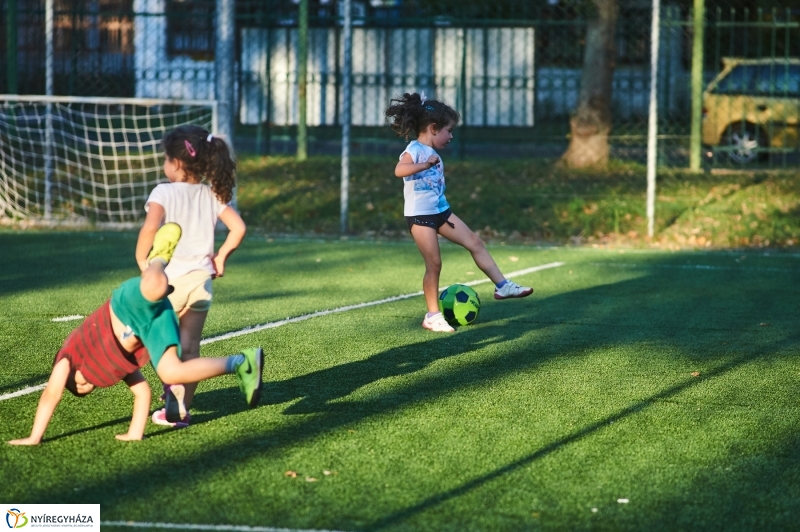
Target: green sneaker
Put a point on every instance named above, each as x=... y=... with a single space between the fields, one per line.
x=165 y=241
x=249 y=374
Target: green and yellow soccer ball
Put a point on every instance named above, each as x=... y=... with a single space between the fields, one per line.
x=459 y=304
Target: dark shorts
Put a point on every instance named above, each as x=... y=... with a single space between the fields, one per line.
x=434 y=221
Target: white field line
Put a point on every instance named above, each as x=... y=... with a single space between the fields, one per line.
x=68 y=318
x=274 y=324
x=226 y=528
x=24 y=391
x=692 y=267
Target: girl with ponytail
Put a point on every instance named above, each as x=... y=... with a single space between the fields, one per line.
x=428 y=215
x=201 y=176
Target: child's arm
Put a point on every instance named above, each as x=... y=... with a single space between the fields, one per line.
x=47 y=403
x=155 y=215
x=236 y=231
x=141 y=406
x=407 y=166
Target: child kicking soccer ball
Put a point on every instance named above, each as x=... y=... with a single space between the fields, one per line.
x=427 y=212
x=136 y=325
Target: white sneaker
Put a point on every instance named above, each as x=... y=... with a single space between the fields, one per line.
x=512 y=289
x=437 y=323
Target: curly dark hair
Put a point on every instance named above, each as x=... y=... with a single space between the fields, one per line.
x=203 y=158
x=407 y=115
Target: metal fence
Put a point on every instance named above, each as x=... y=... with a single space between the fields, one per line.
x=511 y=67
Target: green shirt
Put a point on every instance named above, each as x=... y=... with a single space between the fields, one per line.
x=153 y=322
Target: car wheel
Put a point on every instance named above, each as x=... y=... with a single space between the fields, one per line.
x=745 y=143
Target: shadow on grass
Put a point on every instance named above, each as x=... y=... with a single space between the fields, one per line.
x=671 y=308
x=121 y=420
x=588 y=430
x=51 y=259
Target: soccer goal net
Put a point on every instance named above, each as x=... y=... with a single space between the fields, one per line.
x=73 y=160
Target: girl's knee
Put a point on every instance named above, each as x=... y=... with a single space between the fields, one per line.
x=189 y=354
x=433 y=266
x=474 y=243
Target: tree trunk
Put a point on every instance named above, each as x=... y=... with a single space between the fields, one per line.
x=590 y=124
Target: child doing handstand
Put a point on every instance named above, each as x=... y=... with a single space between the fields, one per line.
x=136 y=325
x=426 y=210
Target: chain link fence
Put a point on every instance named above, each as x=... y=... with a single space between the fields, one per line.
x=512 y=68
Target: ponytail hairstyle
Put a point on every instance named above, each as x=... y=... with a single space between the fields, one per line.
x=411 y=114
x=203 y=156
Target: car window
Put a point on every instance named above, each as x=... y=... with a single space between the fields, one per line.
x=778 y=80
x=787 y=80
x=738 y=81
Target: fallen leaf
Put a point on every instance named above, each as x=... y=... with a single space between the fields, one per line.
x=291 y=474
x=513 y=259
x=326 y=472
x=310 y=479
x=695 y=374
x=623 y=501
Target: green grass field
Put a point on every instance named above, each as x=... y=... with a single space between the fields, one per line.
x=667 y=380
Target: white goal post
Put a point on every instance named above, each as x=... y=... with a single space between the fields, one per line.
x=83 y=160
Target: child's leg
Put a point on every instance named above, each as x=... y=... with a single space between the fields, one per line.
x=428 y=243
x=247 y=366
x=191 y=323
x=171 y=370
x=463 y=236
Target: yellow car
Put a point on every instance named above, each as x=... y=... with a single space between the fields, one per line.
x=752 y=108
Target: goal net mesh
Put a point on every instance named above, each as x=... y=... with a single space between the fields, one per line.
x=86 y=160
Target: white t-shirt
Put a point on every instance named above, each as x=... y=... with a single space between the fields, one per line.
x=196 y=209
x=424 y=191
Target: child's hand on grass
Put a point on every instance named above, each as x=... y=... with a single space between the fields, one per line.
x=24 y=441
x=128 y=437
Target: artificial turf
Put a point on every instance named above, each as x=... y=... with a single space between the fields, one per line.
x=667 y=380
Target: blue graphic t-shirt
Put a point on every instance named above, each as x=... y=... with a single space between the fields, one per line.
x=424 y=191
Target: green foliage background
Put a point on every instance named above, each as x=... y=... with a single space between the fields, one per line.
x=530 y=201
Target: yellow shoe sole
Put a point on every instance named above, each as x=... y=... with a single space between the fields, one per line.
x=165 y=242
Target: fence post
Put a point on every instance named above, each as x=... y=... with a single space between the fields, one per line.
x=652 y=125
x=48 y=89
x=347 y=68
x=697 y=85
x=302 y=81
x=224 y=62
x=11 y=47
x=463 y=92
x=224 y=65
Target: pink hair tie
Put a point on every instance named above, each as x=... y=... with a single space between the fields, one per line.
x=189 y=148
